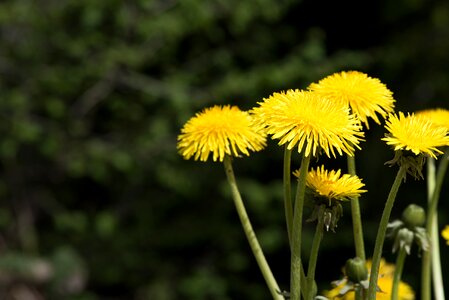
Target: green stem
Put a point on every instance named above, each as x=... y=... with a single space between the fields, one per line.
x=288 y=192
x=296 y=264
x=314 y=257
x=398 y=273
x=249 y=232
x=426 y=258
x=437 y=274
x=289 y=208
x=356 y=216
x=438 y=285
x=303 y=282
x=432 y=255
x=381 y=233
x=359 y=293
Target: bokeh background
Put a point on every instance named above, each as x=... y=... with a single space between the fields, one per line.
x=95 y=202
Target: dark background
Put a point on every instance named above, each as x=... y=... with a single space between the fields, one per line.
x=93 y=95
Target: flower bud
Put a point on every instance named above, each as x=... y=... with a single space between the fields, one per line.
x=356 y=270
x=414 y=216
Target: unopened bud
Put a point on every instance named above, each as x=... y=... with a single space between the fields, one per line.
x=356 y=270
x=414 y=216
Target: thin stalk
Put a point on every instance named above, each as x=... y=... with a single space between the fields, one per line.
x=289 y=208
x=425 y=275
x=314 y=257
x=356 y=216
x=296 y=264
x=427 y=257
x=303 y=282
x=398 y=273
x=438 y=285
x=380 y=238
x=288 y=192
x=433 y=254
x=359 y=293
x=249 y=232
x=437 y=273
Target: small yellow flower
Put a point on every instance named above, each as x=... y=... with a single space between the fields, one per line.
x=445 y=234
x=310 y=122
x=385 y=283
x=416 y=134
x=333 y=185
x=221 y=131
x=438 y=116
x=366 y=96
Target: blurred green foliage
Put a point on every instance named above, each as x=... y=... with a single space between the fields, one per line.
x=92 y=97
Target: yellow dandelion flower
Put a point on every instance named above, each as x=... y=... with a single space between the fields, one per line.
x=385 y=283
x=333 y=185
x=438 y=116
x=416 y=134
x=405 y=292
x=221 y=131
x=310 y=122
x=385 y=269
x=445 y=234
x=366 y=96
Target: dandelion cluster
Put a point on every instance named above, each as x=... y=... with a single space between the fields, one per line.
x=327 y=119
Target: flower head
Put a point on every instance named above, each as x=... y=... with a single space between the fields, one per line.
x=445 y=234
x=219 y=131
x=366 y=96
x=416 y=134
x=329 y=188
x=310 y=122
x=437 y=116
x=332 y=185
x=384 y=282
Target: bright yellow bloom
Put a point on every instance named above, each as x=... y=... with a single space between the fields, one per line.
x=445 y=234
x=416 y=134
x=304 y=119
x=333 y=185
x=438 y=116
x=365 y=95
x=221 y=131
x=385 y=283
